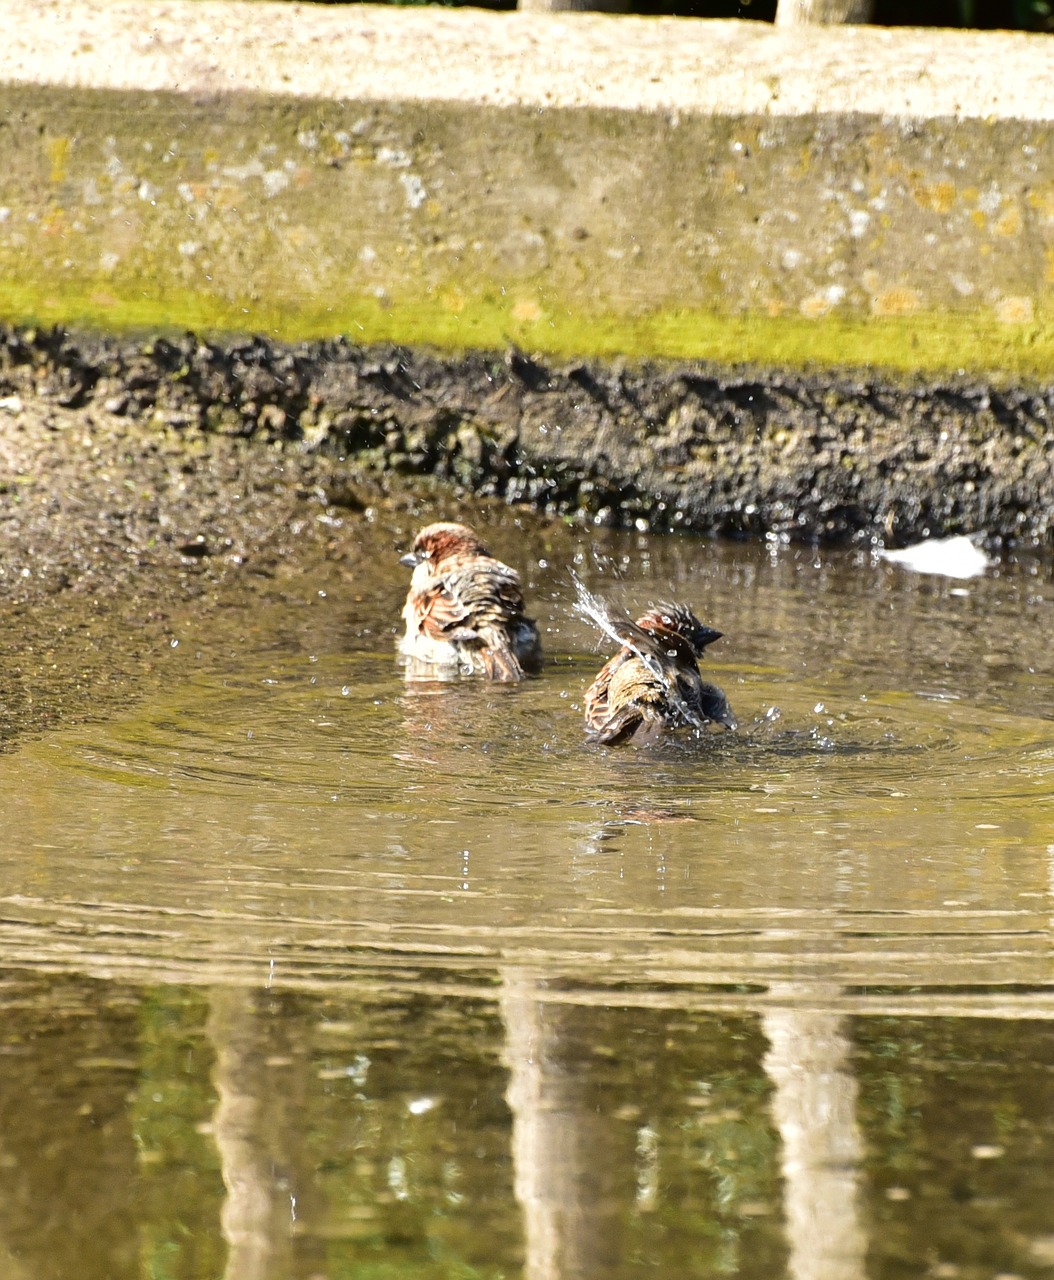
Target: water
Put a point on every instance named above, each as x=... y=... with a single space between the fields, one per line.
x=310 y=973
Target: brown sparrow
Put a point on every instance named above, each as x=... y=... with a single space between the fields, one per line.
x=464 y=613
x=653 y=685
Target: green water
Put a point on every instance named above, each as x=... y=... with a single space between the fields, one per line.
x=309 y=973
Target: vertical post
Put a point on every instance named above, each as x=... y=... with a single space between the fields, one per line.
x=795 y=13
x=814 y=1107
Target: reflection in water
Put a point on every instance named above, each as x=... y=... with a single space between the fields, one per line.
x=105 y=1168
x=566 y=1169
x=534 y=1003
x=639 y=1138
x=567 y=1166
x=259 y=1210
x=814 y=1106
x=542 y=1176
x=642 y=1136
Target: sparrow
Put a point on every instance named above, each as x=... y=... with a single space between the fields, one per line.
x=653 y=685
x=464 y=612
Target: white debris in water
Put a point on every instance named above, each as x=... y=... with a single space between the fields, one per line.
x=419 y=1106
x=275 y=181
x=956 y=557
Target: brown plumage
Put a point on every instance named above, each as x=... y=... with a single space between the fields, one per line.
x=465 y=612
x=653 y=685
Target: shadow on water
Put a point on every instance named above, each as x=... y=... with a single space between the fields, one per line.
x=311 y=972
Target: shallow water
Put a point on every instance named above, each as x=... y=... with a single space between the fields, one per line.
x=312 y=973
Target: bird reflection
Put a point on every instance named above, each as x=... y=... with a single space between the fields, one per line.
x=440 y=722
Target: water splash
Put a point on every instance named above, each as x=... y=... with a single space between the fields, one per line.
x=618 y=626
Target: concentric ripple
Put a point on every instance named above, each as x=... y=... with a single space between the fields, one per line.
x=882 y=819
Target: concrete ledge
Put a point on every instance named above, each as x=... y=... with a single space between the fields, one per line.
x=473 y=56
x=572 y=183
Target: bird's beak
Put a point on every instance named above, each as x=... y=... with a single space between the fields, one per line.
x=411 y=559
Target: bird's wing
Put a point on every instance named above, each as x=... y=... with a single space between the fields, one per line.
x=715 y=706
x=483 y=593
x=439 y=614
x=477 y=603
x=702 y=703
x=633 y=695
x=597 y=694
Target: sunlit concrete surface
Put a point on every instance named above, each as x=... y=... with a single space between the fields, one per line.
x=573 y=183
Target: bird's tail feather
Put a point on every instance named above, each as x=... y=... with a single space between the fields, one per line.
x=500 y=663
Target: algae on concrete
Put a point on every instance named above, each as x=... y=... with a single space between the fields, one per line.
x=822 y=238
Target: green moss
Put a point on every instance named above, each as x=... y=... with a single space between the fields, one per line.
x=580 y=232
x=922 y=343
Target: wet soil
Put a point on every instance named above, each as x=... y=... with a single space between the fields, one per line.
x=123 y=536
x=144 y=483
x=724 y=451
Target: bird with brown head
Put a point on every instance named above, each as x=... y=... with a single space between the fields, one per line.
x=465 y=612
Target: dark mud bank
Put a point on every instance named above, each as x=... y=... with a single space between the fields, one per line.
x=683 y=446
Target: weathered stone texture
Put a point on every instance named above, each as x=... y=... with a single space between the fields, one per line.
x=581 y=184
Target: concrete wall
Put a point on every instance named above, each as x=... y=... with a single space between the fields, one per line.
x=573 y=183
